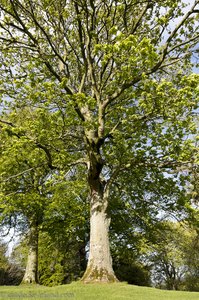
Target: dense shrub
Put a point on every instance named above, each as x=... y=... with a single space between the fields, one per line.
x=133 y=273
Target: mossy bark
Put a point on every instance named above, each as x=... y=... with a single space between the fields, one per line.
x=31 y=272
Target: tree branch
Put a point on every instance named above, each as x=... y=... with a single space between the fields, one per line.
x=19 y=174
x=139 y=19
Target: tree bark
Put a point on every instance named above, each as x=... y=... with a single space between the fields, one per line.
x=31 y=272
x=99 y=267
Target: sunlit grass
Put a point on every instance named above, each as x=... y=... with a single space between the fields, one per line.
x=79 y=291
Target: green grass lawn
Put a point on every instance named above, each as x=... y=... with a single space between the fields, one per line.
x=79 y=291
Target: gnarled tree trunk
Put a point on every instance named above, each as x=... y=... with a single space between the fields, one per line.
x=31 y=272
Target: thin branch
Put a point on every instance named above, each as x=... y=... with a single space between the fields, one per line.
x=110 y=134
x=194 y=38
x=48 y=154
x=17 y=175
x=138 y=21
x=171 y=36
x=45 y=34
x=167 y=164
x=80 y=161
x=7 y=123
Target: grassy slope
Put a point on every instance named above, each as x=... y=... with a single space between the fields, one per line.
x=79 y=291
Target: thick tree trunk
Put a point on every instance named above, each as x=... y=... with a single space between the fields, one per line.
x=31 y=272
x=99 y=268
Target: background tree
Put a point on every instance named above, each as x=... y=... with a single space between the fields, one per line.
x=23 y=194
x=27 y=182
x=174 y=257
x=10 y=273
x=3 y=262
x=119 y=74
x=63 y=235
x=191 y=281
x=140 y=202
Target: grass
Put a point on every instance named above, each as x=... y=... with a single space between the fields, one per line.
x=80 y=291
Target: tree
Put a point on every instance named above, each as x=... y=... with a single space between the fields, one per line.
x=136 y=220
x=174 y=256
x=10 y=273
x=119 y=74
x=23 y=194
x=191 y=248
x=63 y=234
x=31 y=191
x=3 y=262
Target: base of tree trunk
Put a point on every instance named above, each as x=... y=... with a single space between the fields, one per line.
x=94 y=274
x=31 y=272
x=29 y=281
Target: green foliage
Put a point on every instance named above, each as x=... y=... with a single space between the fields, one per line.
x=31 y=191
x=62 y=255
x=10 y=273
x=59 y=264
x=133 y=273
x=3 y=259
x=63 y=234
x=174 y=256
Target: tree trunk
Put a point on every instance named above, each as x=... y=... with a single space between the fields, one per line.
x=99 y=267
x=31 y=272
